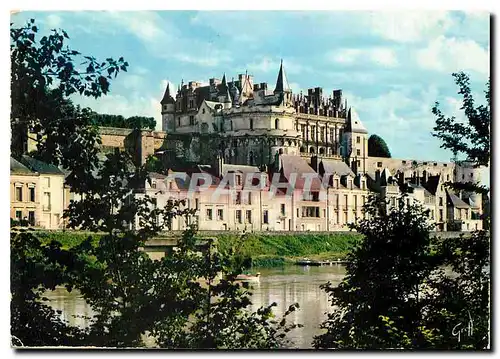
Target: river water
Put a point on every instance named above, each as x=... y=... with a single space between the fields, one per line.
x=283 y=285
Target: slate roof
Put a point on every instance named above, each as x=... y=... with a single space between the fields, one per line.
x=41 y=167
x=290 y=164
x=354 y=123
x=167 y=98
x=455 y=200
x=239 y=168
x=432 y=184
x=282 y=82
x=18 y=167
x=338 y=167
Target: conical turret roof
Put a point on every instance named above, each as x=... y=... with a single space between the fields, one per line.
x=282 y=81
x=167 y=98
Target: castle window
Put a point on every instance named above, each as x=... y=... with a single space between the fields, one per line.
x=251 y=123
x=191 y=120
x=249 y=217
x=266 y=217
x=277 y=123
x=165 y=107
x=191 y=103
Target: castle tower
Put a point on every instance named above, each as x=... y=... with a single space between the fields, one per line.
x=282 y=87
x=465 y=172
x=167 y=111
x=356 y=142
x=224 y=96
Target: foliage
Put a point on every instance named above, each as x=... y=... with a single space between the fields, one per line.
x=288 y=245
x=178 y=301
x=43 y=74
x=470 y=138
x=396 y=292
x=134 y=122
x=154 y=164
x=377 y=147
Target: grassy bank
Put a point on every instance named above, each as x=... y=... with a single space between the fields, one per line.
x=259 y=249
x=278 y=249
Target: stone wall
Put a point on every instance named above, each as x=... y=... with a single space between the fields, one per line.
x=127 y=139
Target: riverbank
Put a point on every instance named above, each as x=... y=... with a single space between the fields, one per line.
x=270 y=250
x=255 y=249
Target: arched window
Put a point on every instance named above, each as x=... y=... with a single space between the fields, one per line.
x=311 y=150
x=251 y=123
x=322 y=151
x=277 y=123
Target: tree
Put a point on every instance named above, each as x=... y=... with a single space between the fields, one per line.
x=470 y=138
x=406 y=290
x=383 y=285
x=177 y=301
x=377 y=147
x=44 y=74
x=134 y=122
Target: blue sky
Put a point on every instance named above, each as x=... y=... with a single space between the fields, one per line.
x=391 y=66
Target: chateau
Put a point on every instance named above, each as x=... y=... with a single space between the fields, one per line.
x=240 y=129
x=245 y=127
x=254 y=123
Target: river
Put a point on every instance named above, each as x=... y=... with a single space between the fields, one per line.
x=283 y=285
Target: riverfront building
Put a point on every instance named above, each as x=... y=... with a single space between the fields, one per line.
x=253 y=128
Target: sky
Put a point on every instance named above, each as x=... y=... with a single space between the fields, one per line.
x=391 y=65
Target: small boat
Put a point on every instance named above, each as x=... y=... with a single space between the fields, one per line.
x=248 y=277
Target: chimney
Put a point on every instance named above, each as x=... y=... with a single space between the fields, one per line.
x=219 y=164
x=315 y=163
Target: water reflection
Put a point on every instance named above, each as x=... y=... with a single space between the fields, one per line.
x=285 y=286
x=294 y=284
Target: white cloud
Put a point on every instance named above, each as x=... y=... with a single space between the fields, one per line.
x=53 y=21
x=452 y=54
x=268 y=64
x=212 y=59
x=379 y=55
x=384 y=56
x=408 y=26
